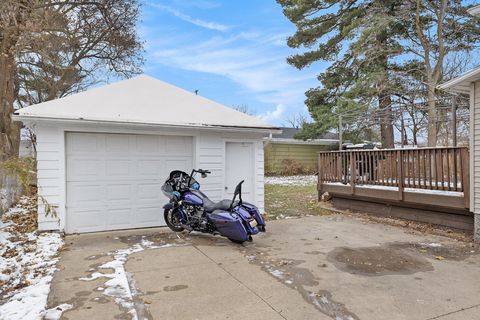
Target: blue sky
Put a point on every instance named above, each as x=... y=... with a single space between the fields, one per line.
x=231 y=51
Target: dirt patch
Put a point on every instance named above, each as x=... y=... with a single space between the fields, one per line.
x=377 y=261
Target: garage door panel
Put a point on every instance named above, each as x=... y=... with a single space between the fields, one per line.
x=119 y=218
x=118 y=168
x=116 y=144
x=89 y=143
x=150 y=167
x=84 y=169
x=87 y=221
x=149 y=215
x=150 y=191
x=177 y=164
x=119 y=192
x=148 y=144
x=81 y=193
x=178 y=145
x=117 y=186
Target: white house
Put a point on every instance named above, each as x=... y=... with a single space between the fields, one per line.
x=103 y=154
x=469 y=83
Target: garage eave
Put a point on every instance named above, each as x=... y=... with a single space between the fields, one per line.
x=136 y=124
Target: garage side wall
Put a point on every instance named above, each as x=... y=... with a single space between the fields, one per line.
x=51 y=177
x=210 y=150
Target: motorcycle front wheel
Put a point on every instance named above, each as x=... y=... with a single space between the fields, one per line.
x=172 y=219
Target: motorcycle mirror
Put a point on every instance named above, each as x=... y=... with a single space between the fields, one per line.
x=204 y=175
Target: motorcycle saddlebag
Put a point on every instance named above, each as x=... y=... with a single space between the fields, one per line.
x=228 y=226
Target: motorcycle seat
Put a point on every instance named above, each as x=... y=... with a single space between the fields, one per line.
x=211 y=206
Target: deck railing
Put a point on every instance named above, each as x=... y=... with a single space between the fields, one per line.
x=424 y=168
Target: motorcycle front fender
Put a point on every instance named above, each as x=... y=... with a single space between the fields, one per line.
x=168 y=206
x=182 y=214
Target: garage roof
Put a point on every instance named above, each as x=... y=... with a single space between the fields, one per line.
x=142 y=100
x=461 y=84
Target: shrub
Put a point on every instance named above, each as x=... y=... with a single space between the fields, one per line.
x=24 y=169
x=291 y=167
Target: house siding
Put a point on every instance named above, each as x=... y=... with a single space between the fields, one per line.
x=209 y=154
x=475 y=154
x=306 y=155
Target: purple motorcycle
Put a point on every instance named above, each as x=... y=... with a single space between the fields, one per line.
x=190 y=209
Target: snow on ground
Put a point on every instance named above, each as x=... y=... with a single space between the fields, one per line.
x=292 y=180
x=27 y=265
x=119 y=284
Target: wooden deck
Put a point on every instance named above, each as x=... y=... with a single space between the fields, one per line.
x=430 y=179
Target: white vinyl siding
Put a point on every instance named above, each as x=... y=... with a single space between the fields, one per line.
x=208 y=153
x=50 y=173
x=475 y=147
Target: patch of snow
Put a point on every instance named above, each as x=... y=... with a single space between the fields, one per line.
x=277 y=273
x=56 y=313
x=292 y=180
x=432 y=245
x=119 y=286
x=27 y=264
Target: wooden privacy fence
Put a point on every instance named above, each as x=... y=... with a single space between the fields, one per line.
x=444 y=169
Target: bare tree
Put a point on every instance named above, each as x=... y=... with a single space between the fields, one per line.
x=297 y=120
x=243 y=108
x=51 y=48
x=440 y=29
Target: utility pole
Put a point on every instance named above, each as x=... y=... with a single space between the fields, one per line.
x=454 y=120
x=340 y=133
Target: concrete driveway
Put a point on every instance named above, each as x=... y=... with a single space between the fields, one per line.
x=329 y=267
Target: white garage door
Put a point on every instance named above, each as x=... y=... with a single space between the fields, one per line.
x=114 y=180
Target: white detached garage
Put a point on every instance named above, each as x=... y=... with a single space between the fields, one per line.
x=103 y=154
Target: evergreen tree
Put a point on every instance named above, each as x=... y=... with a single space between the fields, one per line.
x=378 y=51
x=359 y=37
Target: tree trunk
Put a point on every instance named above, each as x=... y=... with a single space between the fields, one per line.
x=432 y=118
x=9 y=131
x=384 y=93
x=386 y=121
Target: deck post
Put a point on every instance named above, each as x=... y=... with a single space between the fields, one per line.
x=353 y=173
x=400 y=175
x=465 y=177
x=320 y=177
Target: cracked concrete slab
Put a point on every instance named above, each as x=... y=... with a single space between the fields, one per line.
x=330 y=267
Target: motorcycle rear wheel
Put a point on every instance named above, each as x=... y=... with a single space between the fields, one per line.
x=172 y=220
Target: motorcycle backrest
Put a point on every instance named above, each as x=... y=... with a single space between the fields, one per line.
x=237 y=192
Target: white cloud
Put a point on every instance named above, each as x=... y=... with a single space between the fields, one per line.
x=274 y=115
x=247 y=59
x=195 y=21
x=254 y=59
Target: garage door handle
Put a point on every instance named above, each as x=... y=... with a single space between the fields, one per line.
x=226 y=188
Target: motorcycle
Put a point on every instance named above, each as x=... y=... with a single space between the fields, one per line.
x=190 y=209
